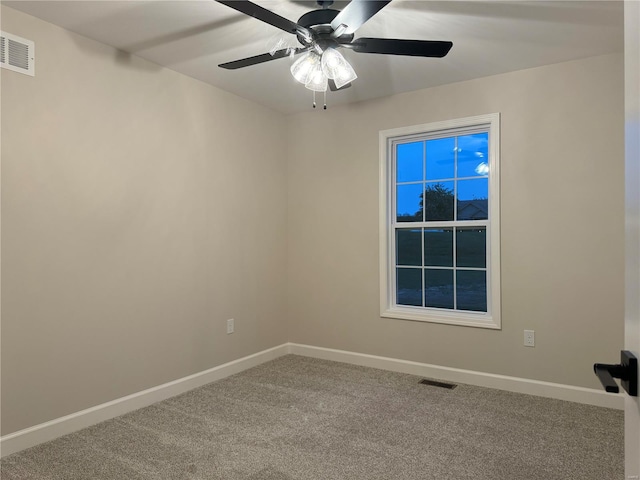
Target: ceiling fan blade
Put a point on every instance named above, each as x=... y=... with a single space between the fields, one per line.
x=390 y=46
x=255 y=60
x=355 y=14
x=267 y=16
x=334 y=88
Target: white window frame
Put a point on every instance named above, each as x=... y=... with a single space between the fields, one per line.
x=388 y=307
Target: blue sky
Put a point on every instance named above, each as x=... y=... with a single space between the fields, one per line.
x=466 y=153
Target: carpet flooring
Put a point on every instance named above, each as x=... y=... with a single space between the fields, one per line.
x=297 y=418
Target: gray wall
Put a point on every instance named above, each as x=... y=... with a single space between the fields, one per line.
x=562 y=224
x=140 y=210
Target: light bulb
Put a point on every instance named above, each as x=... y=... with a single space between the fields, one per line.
x=317 y=80
x=331 y=59
x=303 y=67
x=337 y=68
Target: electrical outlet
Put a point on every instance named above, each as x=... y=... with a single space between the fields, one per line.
x=529 y=338
x=230 y=326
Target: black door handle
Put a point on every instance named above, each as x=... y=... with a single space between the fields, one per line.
x=626 y=371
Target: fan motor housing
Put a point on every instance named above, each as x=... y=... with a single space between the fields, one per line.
x=320 y=22
x=318 y=17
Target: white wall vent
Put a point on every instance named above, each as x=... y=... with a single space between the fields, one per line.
x=17 y=54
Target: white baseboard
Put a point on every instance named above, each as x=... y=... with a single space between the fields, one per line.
x=558 y=391
x=53 y=429
x=44 y=432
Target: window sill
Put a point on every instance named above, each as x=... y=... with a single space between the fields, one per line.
x=479 y=320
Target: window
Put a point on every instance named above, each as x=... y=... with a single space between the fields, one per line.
x=439 y=220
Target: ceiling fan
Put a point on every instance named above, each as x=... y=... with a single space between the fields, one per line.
x=321 y=32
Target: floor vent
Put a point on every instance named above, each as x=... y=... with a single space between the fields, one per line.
x=17 y=54
x=435 y=383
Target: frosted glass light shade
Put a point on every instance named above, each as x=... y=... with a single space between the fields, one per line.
x=318 y=81
x=304 y=66
x=331 y=60
x=336 y=67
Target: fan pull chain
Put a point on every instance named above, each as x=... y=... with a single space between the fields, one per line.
x=325 y=100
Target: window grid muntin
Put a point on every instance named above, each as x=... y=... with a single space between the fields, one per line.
x=455 y=197
x=452 y=179
x=424 y=285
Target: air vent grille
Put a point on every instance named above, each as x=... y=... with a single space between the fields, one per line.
x=434 y=383
x=17 y=54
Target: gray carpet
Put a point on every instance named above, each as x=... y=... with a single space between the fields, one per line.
x=302 y=418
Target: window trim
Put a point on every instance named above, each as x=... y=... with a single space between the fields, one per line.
x=491 y=319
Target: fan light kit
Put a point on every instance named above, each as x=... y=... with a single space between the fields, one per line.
x=314 y=70
x=321 y=33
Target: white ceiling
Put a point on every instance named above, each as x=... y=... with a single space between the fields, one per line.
x=489 y=37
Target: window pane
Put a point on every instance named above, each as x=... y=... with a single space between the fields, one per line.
x=409 y=162
x=438 y=247
x=409 y=203
x=441 y=158
x=438 y=199
x=473 y=155
x=471 y=247
x=471 y=289
x=438 y=288
x=409 y=289
x=472 y=199
x=409 y=247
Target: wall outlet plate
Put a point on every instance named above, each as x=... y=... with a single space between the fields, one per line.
x=529 y=338
x=230 y=326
